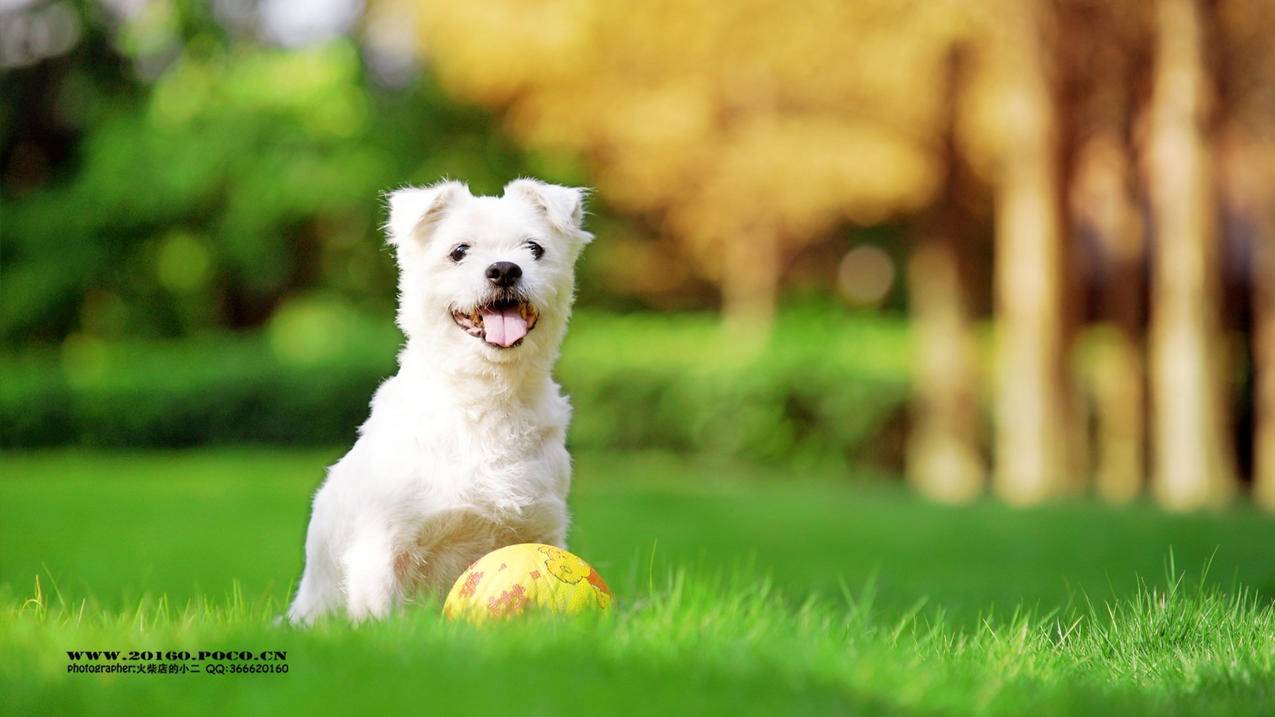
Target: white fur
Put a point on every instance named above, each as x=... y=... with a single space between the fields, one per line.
x=464 y=449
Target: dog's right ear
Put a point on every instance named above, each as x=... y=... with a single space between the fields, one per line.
x=415 y=211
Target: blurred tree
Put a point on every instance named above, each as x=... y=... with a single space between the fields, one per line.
x=1105 y=208
x=1105 y=54
x=747 y=129
x=1247 y=183
x=943 y=459
x=1193 y=465
x=166 y=178
x=1030 y=442
x=201 y=204
x=1264 y=340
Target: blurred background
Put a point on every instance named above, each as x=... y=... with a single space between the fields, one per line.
x=1017 y=247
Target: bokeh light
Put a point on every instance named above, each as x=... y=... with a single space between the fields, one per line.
x=865 y=275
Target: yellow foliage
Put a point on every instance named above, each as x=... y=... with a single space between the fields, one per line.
x=722 y=118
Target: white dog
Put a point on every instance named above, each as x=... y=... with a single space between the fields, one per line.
x=464 y=449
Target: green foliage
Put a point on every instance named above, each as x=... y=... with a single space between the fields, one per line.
x=645 y=381
x=853 y=598
x=682 y=383
x=216 y=389
x=243 y=175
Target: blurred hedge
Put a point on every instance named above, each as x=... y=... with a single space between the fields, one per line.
x=816 y=389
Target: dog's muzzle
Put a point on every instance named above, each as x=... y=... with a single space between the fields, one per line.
x=502 y=322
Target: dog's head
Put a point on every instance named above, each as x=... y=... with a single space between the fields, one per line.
x=491 y=277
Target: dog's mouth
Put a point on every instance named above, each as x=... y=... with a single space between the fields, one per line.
x=500 y=322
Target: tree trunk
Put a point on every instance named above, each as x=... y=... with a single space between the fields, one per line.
x=1030 y=445
x=1258 y=156
x=1247 y=163
x=1103 y=204
x=1264 y=354
x=943 y=460
x=750 y=284
x=1193 y=462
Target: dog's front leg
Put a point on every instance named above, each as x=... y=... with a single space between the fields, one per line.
x=318 y=593
x=371 y=586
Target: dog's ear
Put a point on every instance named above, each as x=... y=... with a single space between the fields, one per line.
x=414 y=211
x=562 y=206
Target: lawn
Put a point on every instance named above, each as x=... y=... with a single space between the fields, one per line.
x=741 y=590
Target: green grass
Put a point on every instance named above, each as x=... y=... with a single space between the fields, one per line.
x=740 y=592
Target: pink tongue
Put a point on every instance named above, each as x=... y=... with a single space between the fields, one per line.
x=504 y=327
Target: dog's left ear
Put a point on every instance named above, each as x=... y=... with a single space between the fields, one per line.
x=562 y=206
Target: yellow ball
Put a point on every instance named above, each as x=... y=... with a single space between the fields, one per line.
x=512 y=579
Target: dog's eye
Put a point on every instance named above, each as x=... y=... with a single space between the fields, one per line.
x=537 y=251
x=458 y=252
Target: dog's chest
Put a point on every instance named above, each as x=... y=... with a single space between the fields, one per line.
x=482 y=500
x=494 y=458
x=464 y=479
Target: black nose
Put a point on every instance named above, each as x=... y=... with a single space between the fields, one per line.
x=504 y=274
